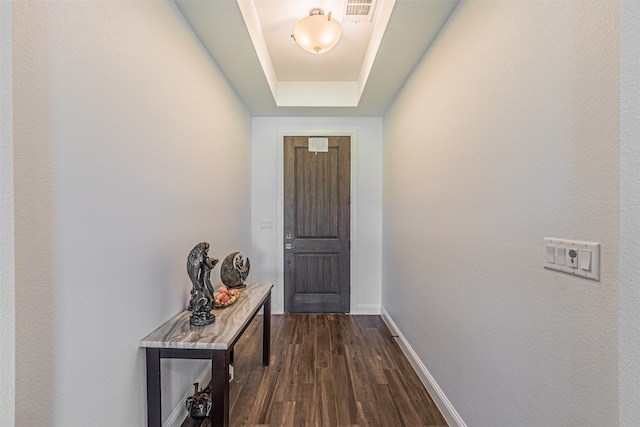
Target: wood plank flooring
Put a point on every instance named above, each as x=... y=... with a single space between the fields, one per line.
x=326 y=370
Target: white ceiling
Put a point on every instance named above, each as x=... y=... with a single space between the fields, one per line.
x=277 y=19
x=250 y=40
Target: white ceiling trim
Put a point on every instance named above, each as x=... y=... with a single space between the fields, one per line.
x=314 y=93
x=318 y=94
x=382 y=16
x=251 y=20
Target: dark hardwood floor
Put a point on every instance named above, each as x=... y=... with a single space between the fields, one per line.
x=326 y=370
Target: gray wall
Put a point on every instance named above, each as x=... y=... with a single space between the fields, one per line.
x=629 y=294
x=508 y=132
x=130 y=148
x=7 y=249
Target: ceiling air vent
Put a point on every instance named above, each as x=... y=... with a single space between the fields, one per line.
x=359 y=10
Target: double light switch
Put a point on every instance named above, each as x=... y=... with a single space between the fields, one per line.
x=573 y=257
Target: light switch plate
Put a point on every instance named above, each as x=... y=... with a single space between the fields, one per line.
x=266 y=224
x=588 y=270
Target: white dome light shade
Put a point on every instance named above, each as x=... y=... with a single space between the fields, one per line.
x=317 y=33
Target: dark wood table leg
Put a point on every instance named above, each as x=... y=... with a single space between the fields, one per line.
x=266 y=332
x=154 y=411
x=220 y=388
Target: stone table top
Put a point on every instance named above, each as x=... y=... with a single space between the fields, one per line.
x=220 y=335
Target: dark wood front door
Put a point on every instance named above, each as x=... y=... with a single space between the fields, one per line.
x=316 y=225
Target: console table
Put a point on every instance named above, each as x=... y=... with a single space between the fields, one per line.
x=178 y=339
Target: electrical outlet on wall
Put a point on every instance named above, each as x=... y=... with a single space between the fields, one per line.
x=573 y=257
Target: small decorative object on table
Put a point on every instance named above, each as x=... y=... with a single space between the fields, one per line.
x=199 y=266
x=225 y=297
x=199 y=404
x=234 y=271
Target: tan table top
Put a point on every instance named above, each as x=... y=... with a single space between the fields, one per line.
x=220 y=335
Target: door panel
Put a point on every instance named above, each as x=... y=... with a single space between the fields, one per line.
x=316 y=226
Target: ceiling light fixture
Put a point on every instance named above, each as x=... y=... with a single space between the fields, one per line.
x=317 y=33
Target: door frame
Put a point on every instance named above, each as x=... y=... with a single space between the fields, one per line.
x=353 y=268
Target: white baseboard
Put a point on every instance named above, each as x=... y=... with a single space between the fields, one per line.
x=180 y=413
x=438 y=396
x=366 y=309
